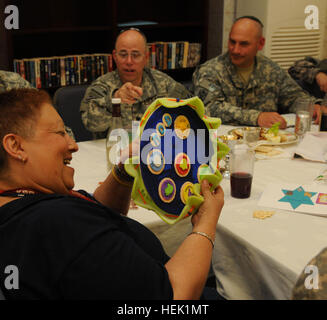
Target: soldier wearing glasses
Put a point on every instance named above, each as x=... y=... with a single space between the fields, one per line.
x=136 y=85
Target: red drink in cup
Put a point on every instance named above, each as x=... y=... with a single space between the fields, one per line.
x=241 y=167
x=241 y=185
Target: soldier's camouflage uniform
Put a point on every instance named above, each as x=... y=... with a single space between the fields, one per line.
x=96 y=106
x=11 y=80
x=305 y=71
x=301 y=292
x=270 y=89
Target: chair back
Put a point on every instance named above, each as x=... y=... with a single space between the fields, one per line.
x=2 y=297
x=67 y=101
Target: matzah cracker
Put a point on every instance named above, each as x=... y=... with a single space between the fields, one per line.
x=264 y=149
x=268 y=151
x=261 y=214
x=274 y=153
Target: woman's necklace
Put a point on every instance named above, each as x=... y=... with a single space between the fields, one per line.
x=20 y=193
x=17 y=193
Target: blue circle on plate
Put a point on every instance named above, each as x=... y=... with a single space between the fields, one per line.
x=155 y=139
x=167 y=120
x=161 y=129
x=156 y=161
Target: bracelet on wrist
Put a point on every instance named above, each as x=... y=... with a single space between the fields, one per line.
x=119 y=178
x=120 y=168
x=203 y=234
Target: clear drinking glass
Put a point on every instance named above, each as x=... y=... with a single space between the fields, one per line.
x=304 y=111
x=241 y=171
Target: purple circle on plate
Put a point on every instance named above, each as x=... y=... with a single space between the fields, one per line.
x=167 y=190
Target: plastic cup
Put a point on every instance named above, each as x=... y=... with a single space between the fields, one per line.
x=241 y=168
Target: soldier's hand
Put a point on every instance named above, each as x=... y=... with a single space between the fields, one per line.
x=316 y=113
x=128 y=93
x=267 y=119
x=321 y=79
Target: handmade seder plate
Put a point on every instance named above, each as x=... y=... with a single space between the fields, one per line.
x=178 y=149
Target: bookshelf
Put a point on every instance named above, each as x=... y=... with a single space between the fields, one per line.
x=62 y=27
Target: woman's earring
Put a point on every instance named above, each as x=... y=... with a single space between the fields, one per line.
x=21 y=159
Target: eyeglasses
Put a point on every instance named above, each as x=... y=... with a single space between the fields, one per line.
x=135 y=55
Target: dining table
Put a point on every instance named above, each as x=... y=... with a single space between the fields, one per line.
x=253 y=259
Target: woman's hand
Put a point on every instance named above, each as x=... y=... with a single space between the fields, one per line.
x=209 y=211
x=196 y=251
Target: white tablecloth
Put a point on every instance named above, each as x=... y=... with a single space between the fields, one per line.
x=253 y=259
x=262 y=259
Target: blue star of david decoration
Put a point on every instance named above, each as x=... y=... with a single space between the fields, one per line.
x=297 y=197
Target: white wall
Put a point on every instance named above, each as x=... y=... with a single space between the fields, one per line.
x=229 y=16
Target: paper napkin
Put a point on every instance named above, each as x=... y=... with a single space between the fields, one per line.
x=313 y=147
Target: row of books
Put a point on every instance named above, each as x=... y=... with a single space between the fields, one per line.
x=174 y=55
x=63 y=71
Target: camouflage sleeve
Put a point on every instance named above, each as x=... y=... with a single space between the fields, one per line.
x=15 y=81
x=22 y=83
x=305 y=70
x=209 y=90
x=309 y=288
x=289 y=91
x=96 y=107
